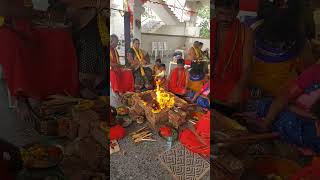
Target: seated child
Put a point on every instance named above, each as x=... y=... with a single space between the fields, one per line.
x=178 y=79
x=161 y=75
x=201 y=97
x=295 y=113
x=156 y=67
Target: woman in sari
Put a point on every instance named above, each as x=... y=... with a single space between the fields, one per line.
x=142 y=75
x=295 y=113
x=282 y=50
x=201 y=97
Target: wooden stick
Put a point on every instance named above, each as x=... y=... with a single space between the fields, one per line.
x=249 y=138
x=152 y=140
x=140 y=134
x=138 y=131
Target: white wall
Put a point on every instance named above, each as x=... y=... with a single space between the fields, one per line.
x=178 y=30
x=174 y=42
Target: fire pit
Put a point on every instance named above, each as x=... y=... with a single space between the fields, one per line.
x=156 y=104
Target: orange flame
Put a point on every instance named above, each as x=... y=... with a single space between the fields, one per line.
x=164 y=99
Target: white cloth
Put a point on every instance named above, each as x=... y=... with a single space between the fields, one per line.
x=114 y=99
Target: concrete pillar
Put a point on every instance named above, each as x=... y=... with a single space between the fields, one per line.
x=137 y=11
x=194 y=6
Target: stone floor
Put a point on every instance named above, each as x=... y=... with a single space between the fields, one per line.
x=16 y=132
x=139 y=161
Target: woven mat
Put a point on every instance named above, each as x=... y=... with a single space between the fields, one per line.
x=184 y=164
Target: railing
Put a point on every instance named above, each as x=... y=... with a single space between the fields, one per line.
x=178 y=8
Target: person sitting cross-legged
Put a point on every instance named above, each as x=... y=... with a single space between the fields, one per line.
x=178 y=79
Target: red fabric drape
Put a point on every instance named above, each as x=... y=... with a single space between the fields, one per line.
x=228 y=69
x=38 y=61
x=249 y=5
x=190 y=140
x=121 y=79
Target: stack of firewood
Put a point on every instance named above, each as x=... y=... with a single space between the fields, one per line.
x=142 y=134
x=57 y=105
x=177 y=117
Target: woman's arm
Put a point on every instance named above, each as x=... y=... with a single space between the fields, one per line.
x=301 y=112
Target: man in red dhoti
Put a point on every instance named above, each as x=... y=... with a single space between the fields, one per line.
x=232 y=51
x=121 y=79
x=178 y=79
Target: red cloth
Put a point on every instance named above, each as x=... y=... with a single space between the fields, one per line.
x=43 y=64
x=187 y=62
x=191 y=142
x=122 y=80
x=311 y=172
x=165 y=131
x=177 y=82
x=203 y=128
x=249 y=5
x=117 y=132
x=228 y=69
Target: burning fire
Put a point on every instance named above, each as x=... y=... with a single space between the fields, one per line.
x=163 y=98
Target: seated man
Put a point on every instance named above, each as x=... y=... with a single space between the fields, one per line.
x=295 y=113
x=202 y=97
x=142 y=74
x=178 y=79
x=232 y=51
x=121 y=79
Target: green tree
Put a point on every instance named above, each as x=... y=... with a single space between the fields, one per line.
x=204 y=13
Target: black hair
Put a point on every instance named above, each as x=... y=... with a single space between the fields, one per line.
x=197 y=69
x=163 y=65
x=227 y=4
x=180 y=61
x=135 y=39
x=281 y=24
x=114 y=36
x=158 y=60
x=200 y=43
